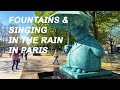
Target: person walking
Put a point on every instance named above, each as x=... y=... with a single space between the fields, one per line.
x=22 y=55
x=19 y=55
x=14 y=57
x=56 y=56
x=25 y=54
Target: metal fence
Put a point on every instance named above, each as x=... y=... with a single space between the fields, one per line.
x=114 y=59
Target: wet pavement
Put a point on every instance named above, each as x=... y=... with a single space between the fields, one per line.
x=37 y=64
x=27 y=69
x=6 y=70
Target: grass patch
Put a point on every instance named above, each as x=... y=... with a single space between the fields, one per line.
x=118 y=67
x=103 y=64
x=51 y=53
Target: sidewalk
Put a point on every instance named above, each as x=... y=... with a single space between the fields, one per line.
x=37 y=64
x=5 y=68
x=27 y=69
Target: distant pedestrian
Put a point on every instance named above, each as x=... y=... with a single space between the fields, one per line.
x=25 y=54
x=0 y=54
x=56 y=56
x=14 y=57
x=22 y=55
x=10 y=54
x=19 y=51
x=19 y=55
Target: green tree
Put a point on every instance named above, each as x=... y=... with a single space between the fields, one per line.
x=103 y=20
x=51 y=32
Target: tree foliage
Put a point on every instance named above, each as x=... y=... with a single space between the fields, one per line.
x=4 y=36
x=51 y=32
x=104 y=20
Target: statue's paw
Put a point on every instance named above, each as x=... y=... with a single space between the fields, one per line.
x=84 y=71
x=74 y=69
x=65 y=66
x=67 y=49
x=79 y=70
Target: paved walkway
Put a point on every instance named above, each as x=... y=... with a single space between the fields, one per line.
x=36 y=64
x=27 y=69
x=5 y=68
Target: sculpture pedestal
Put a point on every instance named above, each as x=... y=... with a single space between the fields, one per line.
x=103 y=74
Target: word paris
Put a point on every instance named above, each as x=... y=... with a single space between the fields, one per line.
x=29 y=49
x=37 y=19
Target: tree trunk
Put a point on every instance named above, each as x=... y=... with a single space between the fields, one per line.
x=68 y=38
x=95 y=28
x=56 y=46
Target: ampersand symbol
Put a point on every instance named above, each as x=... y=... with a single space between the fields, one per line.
x=65 y=20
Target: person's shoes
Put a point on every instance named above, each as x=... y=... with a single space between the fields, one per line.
x=17 y=69
x=12 y=69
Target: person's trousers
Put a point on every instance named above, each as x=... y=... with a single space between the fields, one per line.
x=25 y=57
x=15 y=62
x=56 y=60
x=22 y=56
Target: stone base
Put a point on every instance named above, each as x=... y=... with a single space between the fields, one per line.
x=67 y=74
x=45 y=75
x=36 y=54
